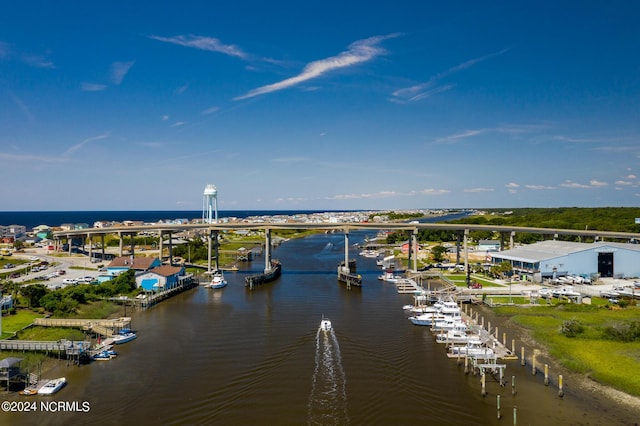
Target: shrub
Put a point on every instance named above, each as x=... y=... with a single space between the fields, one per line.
x=572 y=328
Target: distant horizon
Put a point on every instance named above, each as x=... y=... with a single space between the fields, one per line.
x=320 y=210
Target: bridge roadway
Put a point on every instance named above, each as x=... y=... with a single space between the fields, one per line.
x=344 y=227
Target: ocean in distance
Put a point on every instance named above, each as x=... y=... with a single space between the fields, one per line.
x=31 y=219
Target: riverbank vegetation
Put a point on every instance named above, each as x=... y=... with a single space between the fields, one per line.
x=601 y=342
x=618 y=219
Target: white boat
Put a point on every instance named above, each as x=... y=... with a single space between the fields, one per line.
x=124 y=336
x=448 y=323
x=427 y=319
x=455 y=336
x=52 y=386
x=218 y=280
x=389 y=276
x=325 y=324
x=474 y=347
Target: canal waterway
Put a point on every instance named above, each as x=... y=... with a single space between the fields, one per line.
x=234 y=357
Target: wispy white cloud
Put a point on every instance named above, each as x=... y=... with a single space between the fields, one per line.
x=179 y=123
x=512 y=185
x=418 y=92
x=38 y=61
x=475 y=190
x=13 y=158
x=211 y=110
x=77 y=146
x=34 y=60
x=388 y=194
x=92 y=87
x=203 y=43
x=592 y=184
x=539 y=187
x=432 y=191
x=119 y=70
x=22 y=106
x=358 y=52
x=430 y=87
x=511 y=129
x=180 y=90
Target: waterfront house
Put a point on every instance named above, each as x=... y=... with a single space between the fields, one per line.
x=160 y=278
x=123 y=263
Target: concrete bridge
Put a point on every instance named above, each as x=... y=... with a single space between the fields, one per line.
x=213 y=229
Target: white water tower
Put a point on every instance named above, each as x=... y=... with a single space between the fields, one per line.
x=210 y=204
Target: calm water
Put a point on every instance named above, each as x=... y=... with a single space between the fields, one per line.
x=234 y=357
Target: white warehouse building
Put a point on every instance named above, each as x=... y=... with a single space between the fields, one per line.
x=552 y=259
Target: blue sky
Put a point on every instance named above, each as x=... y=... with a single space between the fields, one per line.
x=321 y=105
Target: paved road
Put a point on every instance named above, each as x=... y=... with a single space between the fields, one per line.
x=63 y=263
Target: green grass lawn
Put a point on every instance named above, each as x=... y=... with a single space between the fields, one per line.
x=13 y=323
x=612 y=363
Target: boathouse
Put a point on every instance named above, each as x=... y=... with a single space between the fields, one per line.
x=161 y=278
x=552 y=259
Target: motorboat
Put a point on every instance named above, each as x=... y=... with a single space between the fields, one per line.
x=29 y=391
x=52 y=386
x=448 y=323
x=125 y=335
x=218 y=280
x=325 y=324
x=389 y=276
x=473 y=348
x=103 y=356
x=427 y=319
x=454 y=336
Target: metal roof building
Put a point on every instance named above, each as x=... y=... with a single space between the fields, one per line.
x=548 y=259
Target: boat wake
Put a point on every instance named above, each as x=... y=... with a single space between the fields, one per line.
x=328 y=398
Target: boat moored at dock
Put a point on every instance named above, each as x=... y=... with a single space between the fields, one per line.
x=52 y=386
x=124 y=336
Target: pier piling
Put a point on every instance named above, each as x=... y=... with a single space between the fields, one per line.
x=498 y=406
x=483 y=382
x=560 y=391
x=513 y=385
x=546 y=374
x=522 y=360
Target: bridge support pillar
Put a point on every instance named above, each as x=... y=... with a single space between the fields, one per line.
x=267 y=248
x=216 y=246
x=513 y=234
x=346 y=251
x=209 y=251
x=466 y=250
x=121 y=243
x=414 y=248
